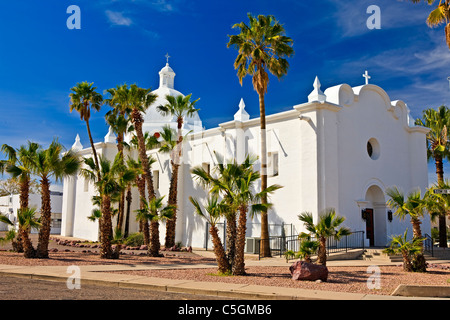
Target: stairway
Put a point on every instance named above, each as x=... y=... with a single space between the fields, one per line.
x=377 y=254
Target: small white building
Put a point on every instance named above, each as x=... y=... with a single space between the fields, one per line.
x=341 y=149
x=10 y=204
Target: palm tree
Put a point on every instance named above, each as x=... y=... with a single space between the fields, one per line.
x=440 y=15
x=179 y=107
x=235 y=183
x=262 y=47
x=326 y=227
x=50 y=164
x=114 y=178
x=83 y=99
x=412 y=206
x=438 y=150
x=408 y=249
x=154 y=212
x=214 y=213
x=18 y=166
x=119 y=122
x=27 y=221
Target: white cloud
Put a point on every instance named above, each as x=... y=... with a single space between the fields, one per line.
x=118 y=19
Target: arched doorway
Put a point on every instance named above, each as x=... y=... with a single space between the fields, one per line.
x=376 y=216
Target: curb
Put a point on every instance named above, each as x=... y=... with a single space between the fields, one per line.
x=226 y=290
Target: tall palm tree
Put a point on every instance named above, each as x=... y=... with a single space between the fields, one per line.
x=179 y=107
x=440 y=15
x=327 y=226
x=18 y=166
x=413 y=206
x=82 y=99
x=263 y=47
x=214 y=212
x=50 y=164
x=119 y=122
x=114 y=178
x=438 y=149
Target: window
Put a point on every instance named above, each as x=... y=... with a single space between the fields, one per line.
x=373 y=148
x=207 y=167
x=156 y=179
x=273 y=164
x=86 y=185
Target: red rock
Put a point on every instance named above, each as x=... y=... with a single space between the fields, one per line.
x=302 y=270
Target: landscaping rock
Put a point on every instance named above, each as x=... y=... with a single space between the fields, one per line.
x=302 y=270
x=143 y=247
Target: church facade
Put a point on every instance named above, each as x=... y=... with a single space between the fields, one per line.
x=341 y=149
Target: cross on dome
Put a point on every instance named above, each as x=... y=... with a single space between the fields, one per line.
x=366 y=75
x=167 y=57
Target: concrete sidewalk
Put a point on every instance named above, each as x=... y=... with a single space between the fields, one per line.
x=96 y=275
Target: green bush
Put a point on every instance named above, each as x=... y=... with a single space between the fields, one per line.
x=135 y=239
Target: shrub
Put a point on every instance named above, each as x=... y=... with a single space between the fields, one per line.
x=135 y=239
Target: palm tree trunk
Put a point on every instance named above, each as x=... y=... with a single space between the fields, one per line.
x=442 y=221
x=222 y=262
x=127 y=217
x=173 y=192
x=94 y=152
x=140 y=182
x=419 y=262
x=23 y=200
x=28 y=250
x=121 y=208
x=265 y=245
x=46 y=218
x=231 y=237
x=155 y=245
x=106 y=250
x=322 y=252
x=239 y=262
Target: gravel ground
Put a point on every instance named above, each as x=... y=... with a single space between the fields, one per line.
x=340 y=279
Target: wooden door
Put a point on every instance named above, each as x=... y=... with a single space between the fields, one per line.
x=369 y=227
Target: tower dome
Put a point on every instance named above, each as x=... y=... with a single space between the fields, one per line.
x=153 y=119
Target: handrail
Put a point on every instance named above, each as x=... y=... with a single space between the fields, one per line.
x=279 y=245
x=428 y=244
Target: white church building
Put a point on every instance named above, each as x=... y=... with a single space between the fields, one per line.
x=341 y=149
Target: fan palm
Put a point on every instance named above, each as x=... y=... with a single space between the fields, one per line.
x=438 y=150
x=440 y=15
x=214 y=211
x=27 y=221
x=412 y=206
x=83 y=99
x=119 y=122
x=154 y=212
x=114 y=178
x=17 y=165
x=327 y=226
x=262 y=46
x=179 y=107
x=408 y=249
x=50 y=164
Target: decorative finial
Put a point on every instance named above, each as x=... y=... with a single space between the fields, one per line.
x=366 y=75
x=167 y=57
x=317 y=94
x=77 y=146
x=241 y=115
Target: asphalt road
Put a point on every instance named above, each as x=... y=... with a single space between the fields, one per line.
x=14 y=288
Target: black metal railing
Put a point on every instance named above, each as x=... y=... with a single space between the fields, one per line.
x=280 y=245
x=428 y=244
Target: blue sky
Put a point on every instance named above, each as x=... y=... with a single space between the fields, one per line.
x=125 y=41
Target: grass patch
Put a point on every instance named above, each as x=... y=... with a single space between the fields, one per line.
x=220 y=274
